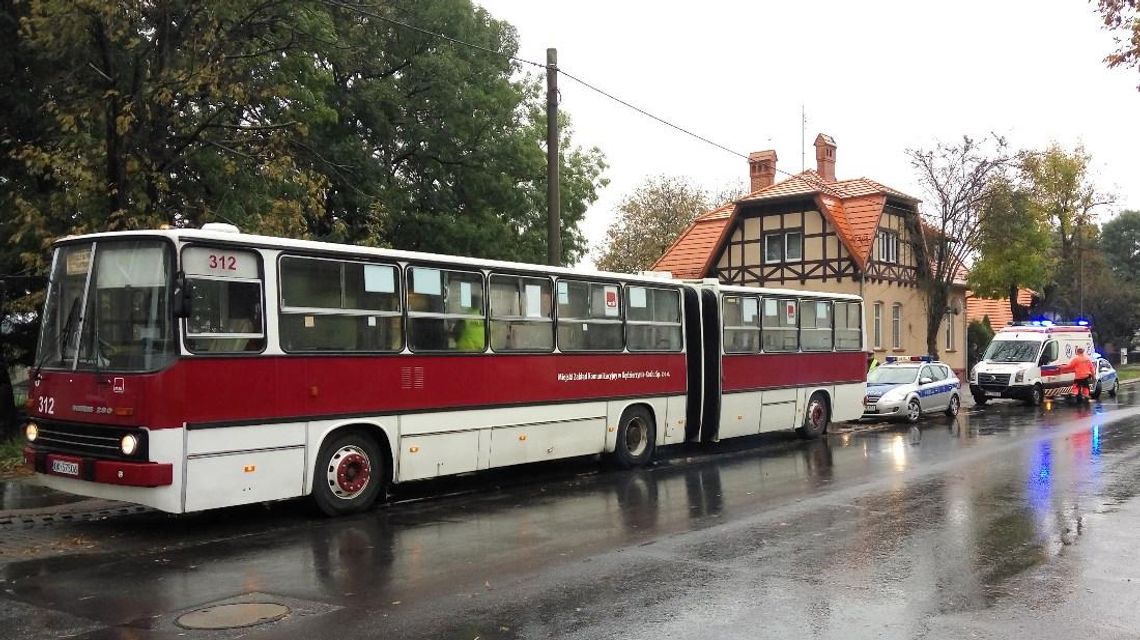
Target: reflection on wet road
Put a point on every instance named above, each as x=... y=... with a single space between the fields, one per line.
x=1006 y=520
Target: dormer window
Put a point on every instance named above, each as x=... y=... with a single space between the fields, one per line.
x=784 y=247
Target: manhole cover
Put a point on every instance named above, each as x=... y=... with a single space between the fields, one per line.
x=231 y=616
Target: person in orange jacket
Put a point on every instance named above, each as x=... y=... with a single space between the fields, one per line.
x=1082 y=368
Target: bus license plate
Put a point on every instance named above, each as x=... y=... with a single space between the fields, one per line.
x=870 y=408
x=64 y=467
x=993 y=394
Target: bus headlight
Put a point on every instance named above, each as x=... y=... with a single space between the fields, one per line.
x=32 y=431
x=129 y=444
x=1020 y=377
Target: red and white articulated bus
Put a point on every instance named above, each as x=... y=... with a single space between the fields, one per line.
x=194 y=369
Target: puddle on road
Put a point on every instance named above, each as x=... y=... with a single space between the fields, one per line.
x=23 y=494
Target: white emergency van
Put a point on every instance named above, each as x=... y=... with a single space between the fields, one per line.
x=1011 y=366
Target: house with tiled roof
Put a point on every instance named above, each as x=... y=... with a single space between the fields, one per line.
x=812 y=231
x=996 y=309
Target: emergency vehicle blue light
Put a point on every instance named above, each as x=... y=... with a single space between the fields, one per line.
x=909 y=359
x=1082 y=323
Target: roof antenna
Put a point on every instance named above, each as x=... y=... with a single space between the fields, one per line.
x=803 y=136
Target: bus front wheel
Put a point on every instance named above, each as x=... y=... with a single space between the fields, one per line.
x=349 y=474
x=636 y=438
x=816 y=417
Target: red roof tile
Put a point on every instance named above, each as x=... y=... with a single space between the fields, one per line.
x=997 y=309
x=690 y=255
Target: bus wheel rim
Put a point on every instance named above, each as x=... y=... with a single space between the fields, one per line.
x=636 y=437
x=815 y=414
x=349 y=472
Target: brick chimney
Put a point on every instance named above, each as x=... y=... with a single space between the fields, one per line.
x=825 y=157
x=762 y=168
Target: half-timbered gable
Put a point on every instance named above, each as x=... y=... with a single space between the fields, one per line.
x=783 y=245
x=897 y=247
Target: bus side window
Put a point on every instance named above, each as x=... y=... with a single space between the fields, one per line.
x=445 y=310
x=815 y=325
x=226 y=312
x=779 y=325
x=653 y=319
x=521 y=314
x=589 y=316
x=339 y=305
x=741 y=324
x=848 y=326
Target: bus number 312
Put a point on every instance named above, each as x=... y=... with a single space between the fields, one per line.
x=229 y=263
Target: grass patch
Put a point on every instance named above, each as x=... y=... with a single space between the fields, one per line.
x=1128 y=371
x=12 y=457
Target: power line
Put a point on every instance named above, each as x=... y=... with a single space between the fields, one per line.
x=650 y=115
x=372 y=14
x=580 y=81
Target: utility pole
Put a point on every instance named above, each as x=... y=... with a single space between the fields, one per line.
x=553 y=208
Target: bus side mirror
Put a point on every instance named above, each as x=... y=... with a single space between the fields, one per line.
x=181 y=302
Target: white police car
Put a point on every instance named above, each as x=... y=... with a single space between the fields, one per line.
x=907 y=387
x=1106 y=379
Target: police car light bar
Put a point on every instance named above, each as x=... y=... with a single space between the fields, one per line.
x=910 y=359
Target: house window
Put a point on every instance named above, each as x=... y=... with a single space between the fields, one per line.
x=787 y=246
x=888 y=247
x=877 y=324
x=896 y=326
x=949 y=332
x=773 y=247
x=793 y=246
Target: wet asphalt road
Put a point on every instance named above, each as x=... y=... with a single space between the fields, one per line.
x=1006 y=522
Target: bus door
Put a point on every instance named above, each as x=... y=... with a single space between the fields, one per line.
x=694 y=364
x=710 y=329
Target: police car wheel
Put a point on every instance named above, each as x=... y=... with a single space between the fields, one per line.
x=952 y=408
x=1095 y=392
x=913 y=411
x=1114 y=388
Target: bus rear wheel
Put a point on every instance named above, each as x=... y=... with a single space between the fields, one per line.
x=349 y=475
x=636 y=438
x=816 y=417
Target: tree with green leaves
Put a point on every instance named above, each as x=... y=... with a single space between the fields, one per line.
x=306 y=119
x=648 y=221
x=1061 y=191
x=1120 y=240
x=1014 y=248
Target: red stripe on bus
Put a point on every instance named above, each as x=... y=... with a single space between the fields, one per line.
x=770 y=370
x=202 y=390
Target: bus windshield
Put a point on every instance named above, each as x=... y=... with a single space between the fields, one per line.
x=107 y=307
x=1012 y=351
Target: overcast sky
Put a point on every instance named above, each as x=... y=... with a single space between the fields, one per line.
x=878 y=76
